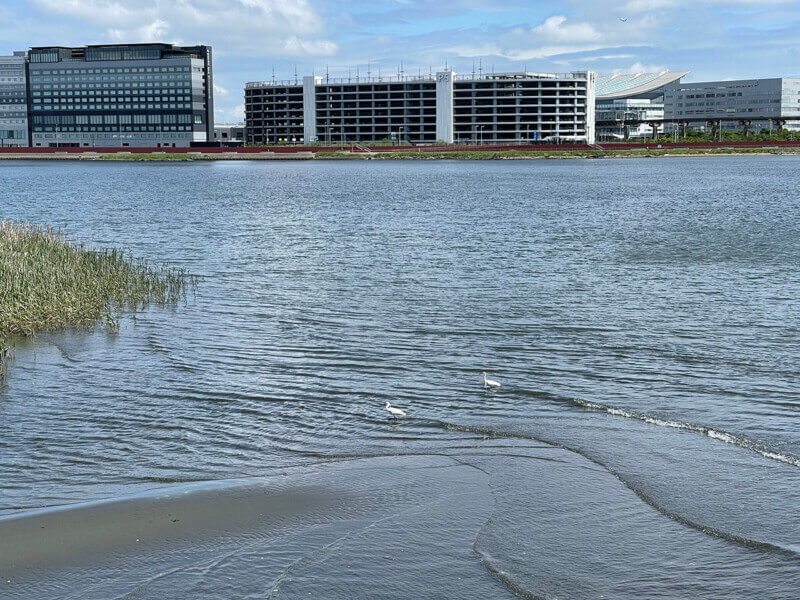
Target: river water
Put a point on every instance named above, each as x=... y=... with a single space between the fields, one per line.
x=641 y=314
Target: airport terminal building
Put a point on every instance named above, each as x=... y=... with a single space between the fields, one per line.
x=120 y=95
x=496 y=108
x=629 y=105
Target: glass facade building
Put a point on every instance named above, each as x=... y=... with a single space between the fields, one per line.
x=146 y=95
x=13 y=101
x=631 y=105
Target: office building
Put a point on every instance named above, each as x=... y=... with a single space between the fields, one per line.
x=120 y=95
x=13 y=101
x=505 y=108
x=745 y=104
x=631 y=105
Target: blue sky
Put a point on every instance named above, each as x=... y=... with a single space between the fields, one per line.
x=713 y=39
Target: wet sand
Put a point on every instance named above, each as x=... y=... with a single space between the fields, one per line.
x=235 y=538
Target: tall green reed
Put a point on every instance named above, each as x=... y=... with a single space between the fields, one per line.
x=49 y=283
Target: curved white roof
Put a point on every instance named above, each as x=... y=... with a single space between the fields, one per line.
x=629 y=85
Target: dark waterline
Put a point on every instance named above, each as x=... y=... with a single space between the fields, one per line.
x=642 y=316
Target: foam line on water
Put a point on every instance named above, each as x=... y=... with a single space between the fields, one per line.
x=715 y=434
x=790 y=551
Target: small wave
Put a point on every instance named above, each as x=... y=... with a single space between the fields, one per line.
x=715 y=434
x=791 y=551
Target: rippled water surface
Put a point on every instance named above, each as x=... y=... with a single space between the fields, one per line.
x=642 y=316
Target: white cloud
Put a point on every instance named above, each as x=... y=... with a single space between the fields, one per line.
x=103 y=12
x=295 y=46
x=218 y=89
x=244 y=27
x=558 y=35
x=233 y=114
x=558 y=30
x=638 y=67
x=156 y=31
x=605 y=57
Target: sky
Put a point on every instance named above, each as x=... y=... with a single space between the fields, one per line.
x=713 y=39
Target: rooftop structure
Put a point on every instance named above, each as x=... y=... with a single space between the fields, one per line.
x=636 y=85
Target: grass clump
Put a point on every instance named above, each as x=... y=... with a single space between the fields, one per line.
x=48 y=283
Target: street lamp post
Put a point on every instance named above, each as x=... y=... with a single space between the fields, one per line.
x=480 y=134
x=268 y=132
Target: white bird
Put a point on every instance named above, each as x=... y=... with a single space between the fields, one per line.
x=490 y=383
x=625 y=20
x=395 y=412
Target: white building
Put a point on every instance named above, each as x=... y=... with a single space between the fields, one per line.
x=751 y=104
x=507 y=108
x=225 y=133
x=13 y=101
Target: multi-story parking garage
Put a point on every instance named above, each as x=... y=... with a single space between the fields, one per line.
x=341 y=110
x=523 y=107
x=274 y=112
x=488 y=108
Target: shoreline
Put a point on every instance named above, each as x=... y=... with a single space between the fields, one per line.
x=402 y=155
x=560 y=155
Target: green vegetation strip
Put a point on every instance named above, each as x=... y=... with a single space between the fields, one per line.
x=48 y=283
x=534 y=154
x=178 y=156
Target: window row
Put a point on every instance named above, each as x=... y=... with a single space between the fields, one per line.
x=112 y=70
x=68 y=128
x=111 y=88
x=116 y=106
x=137 y=119
x=112 y=135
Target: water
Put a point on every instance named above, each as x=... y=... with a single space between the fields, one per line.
x=642 y=316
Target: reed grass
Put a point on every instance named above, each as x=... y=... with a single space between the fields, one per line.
x=49 y=283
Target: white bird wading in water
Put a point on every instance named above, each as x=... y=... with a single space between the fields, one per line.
x=490 y=383
x=395 y=412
